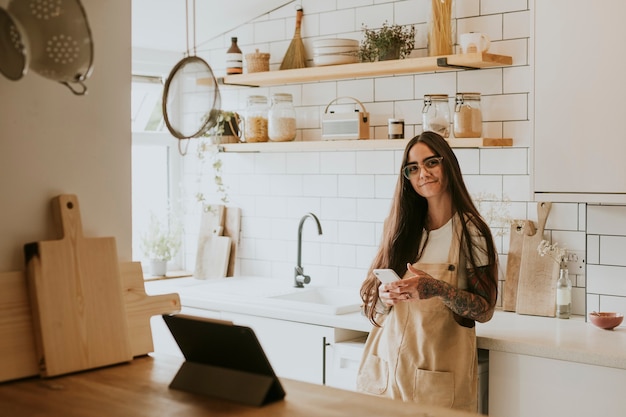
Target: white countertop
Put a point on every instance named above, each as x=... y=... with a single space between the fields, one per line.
x=571 y=340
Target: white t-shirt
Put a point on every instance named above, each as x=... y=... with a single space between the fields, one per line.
x=438 y=247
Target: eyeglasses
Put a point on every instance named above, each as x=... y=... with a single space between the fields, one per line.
x=412 y=170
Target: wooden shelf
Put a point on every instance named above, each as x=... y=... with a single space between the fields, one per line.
x=369 y=69
x=353 y=145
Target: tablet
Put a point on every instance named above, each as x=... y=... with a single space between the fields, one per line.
x=223 y=360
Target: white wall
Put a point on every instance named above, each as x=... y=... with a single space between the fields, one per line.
x=53 y=142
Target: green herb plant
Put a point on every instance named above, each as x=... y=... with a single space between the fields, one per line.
x=387 y=42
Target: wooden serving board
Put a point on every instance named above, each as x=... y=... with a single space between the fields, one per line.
x=536 y=293
x=232 y=229
x=213 y=255
x=519 y=229
x=17 y=340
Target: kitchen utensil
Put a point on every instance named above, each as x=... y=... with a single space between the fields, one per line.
x=17 y=339
x=76 y=297
x=295 y=57
x=13 y=47
x=536 y=293
x=519 y=229
x=232 y=229
x=59 y=38
x=606 y=320
x=191 y=97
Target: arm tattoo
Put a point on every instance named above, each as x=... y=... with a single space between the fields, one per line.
x=476 y=303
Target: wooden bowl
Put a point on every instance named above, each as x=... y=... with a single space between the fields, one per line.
x=606 y=320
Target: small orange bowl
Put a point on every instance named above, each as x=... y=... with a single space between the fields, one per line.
x=606 y=320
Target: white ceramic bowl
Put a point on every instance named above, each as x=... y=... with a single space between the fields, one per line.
x=329 y=50
x=323 y=60
x=335 y=42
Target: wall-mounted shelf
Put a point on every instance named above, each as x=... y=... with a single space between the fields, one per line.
x=353 y=145
x=370 y=69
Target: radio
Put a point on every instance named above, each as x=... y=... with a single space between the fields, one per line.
x=347 y=125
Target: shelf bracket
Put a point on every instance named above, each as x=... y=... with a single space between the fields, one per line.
x=443 y=62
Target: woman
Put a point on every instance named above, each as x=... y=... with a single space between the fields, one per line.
x=422 y=347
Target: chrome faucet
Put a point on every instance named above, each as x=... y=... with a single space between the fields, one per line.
x=299 y=278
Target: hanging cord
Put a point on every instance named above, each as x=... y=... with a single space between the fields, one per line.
x=194 y=27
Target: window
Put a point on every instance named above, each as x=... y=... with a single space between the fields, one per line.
x=156 y=164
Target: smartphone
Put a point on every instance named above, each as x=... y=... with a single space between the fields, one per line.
x=386 y=275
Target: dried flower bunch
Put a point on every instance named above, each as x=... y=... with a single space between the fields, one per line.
x=558 y=254
x=381 y=44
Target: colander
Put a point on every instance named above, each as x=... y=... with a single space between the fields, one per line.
x=59 y=36
x=13 y=47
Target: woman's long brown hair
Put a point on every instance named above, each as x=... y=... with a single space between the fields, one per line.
x=403 y=228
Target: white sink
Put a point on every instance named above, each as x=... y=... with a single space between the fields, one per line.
x=329 y=300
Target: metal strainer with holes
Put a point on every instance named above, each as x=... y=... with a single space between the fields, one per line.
x=59 y=38
x=191 y=97
x=13 y=47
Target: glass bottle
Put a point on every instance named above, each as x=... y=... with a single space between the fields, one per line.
x=468 y=117
x=563 y=294
x=234 y=58
x=282 y=118
x=436 y=114
x=255 y=122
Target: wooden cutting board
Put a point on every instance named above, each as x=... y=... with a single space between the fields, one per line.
x=17 y=341
x=519 y=229
x=213 y=255
x=211 y=222
x=141 y=306
x=232 y=229
x=76 y=297
x=536 y=293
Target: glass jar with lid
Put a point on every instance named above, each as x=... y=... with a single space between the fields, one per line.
x=468 y=118
x=255 y=122
x=436 y=114
x=282 y=118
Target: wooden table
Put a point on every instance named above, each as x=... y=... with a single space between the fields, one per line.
x=140 y=388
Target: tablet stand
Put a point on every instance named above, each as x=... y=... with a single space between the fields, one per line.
x=229 y=384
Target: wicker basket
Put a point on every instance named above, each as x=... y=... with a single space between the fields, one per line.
x=258 y=62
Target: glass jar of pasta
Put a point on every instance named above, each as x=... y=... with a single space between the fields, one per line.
x=255 y=122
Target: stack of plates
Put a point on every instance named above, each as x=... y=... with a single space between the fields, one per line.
x=335 y=51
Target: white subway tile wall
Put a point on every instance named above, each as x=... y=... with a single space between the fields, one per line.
x=350 y=191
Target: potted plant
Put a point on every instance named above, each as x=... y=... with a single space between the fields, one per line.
x=160 y=243
x=226 y=129
x=388 y=42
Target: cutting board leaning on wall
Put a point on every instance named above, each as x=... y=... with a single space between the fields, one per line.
x=536 y=292
x=519 y=229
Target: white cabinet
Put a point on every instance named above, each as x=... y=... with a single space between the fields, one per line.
x=530 y=386
x=296 y=350
x=579 y=101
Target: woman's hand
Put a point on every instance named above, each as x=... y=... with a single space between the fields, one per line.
x=419 y=286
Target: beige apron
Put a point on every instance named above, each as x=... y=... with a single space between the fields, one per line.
x=421 y=353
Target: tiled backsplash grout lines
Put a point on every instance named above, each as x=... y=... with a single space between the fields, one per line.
x=347 y=190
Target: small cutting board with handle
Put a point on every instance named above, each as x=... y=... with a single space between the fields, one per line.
x=232 y=229
x=213 y=253
x=76 y=297
x=536 y=293
x=17 y=339
x=519 y=229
